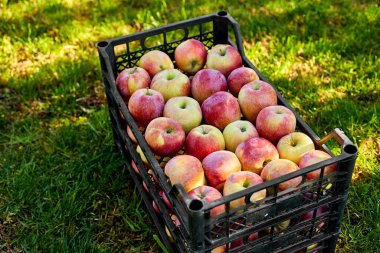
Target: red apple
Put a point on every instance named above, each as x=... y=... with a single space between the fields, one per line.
x=294 y=145
x=239 y=242
x=207 y=82
x=224 y=58
x=204 y=140
x=239 y=77
x=274 y=122
x=130 y=80
x=134 y=167
x=155 y=61
x=242 y=180
x=278 y=168
x=237 y=132
x=186 y=170
x=208 y=194
x=315 y=156
x=220 y=109
x=146 y=105
x=255 y=96
x=171 y=83
x=218 y=166
x=185 y=110
x=190 y=56
x=255 y=153
x=165 y=136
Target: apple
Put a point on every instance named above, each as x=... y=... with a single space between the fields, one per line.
x=176 y=222
x=131 y=79
x=146 y=105
x=171 y=83
x=239 y=181
x=238 y=131
x=278 y=227
x=315 y=156
x=155 y=61
x=165 y=136
x=131 y=135
x=185 y=110
x=204 y=140
x=274 y=122
x=190 y=56
x=255 y=153
x=218 y=166
x=208 y=194
x=223 y=57
x=239 y=77
x=220 y=109
x=294 y=145
x=255 y=96
x=142 y=155
x=134 y=167
x=278 y=168
x=186 y=170
x=166 y=200
x=207 y=82
x=319 y=211
x=239 y=242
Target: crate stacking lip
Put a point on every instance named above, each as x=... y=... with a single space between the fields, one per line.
x=272 y=224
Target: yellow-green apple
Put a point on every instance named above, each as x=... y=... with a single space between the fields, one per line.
x=218 y=166
x=242 y=180
x=155 y=61
x=130 y=80
x=165 y=136
x=255 y=96
x=255 y=153
x=186 y=170
x=146 y=105
x=294 y=145
x=185 y=110
x=315 y=156
x=278 y=227
x=204 y=140
x=239 y=77
x=274 y=122
x=238 y=131
x=207 y=82
x=142 y=155
x=208 y=194
x=223 y=57
x=278 y=168
x=171 y=83
x=220 y=109
x=176 y=222
x=190 y=56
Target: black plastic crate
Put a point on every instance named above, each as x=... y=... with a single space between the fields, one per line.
x=198 y=232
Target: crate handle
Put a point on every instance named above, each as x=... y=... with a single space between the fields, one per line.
x=346 y=144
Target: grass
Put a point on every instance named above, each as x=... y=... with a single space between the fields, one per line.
x=63 y=186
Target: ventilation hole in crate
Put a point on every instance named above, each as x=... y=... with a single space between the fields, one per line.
x=350 y=149
x=222 y=13
x=102 y=44
x=176 y=35
x=120 y=49
x=152 y=41
x=134 y=46
x=193 y=32
x=195 y=205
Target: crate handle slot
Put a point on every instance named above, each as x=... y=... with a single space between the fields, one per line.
x=347 y=146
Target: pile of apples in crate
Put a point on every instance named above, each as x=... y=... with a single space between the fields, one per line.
x=227 y=121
